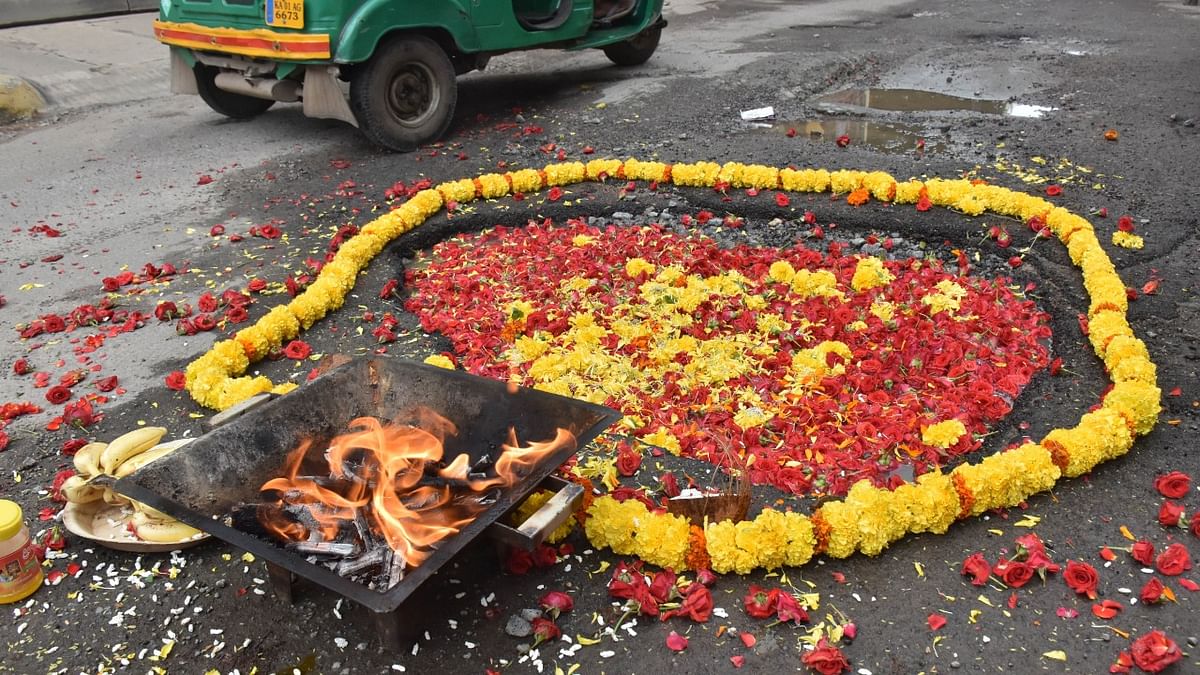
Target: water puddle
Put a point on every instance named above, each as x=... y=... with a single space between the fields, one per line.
x=917 y=100
x=889 y=138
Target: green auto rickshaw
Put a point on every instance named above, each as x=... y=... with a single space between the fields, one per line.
x=400 y=57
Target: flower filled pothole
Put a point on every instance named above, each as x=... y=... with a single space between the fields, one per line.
x=816 y=368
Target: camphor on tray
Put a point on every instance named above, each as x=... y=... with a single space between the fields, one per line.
x=95 y=512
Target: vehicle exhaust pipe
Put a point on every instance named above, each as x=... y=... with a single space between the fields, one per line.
x=286 y=91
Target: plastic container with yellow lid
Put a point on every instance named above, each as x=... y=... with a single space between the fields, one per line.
x=20 y=569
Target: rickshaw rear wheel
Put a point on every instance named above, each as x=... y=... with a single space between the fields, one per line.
x=229 y=104
x=636 y=50
x=404 y=96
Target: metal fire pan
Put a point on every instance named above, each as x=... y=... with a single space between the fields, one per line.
x=202 y=482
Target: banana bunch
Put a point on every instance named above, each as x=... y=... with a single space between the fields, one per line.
x=119 y=458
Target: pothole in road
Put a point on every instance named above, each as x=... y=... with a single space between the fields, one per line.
x=884 y=137
x=917 y=100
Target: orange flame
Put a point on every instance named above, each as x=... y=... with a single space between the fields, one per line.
x=394 y=475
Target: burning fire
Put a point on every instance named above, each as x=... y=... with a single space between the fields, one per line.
x=389 y=481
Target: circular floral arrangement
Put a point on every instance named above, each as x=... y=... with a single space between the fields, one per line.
x=820 y=370
x=870 y=517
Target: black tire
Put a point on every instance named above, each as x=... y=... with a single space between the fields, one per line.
x=636 y=50
x=229 y=104
x=404 y=96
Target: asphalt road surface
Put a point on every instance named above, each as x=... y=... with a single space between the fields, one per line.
x=124 y=183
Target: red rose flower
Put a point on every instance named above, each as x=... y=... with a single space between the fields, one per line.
x=1081 y=577
x=58 y=394
x=72 y=446
x=1175 y=560
x=107 y=384
x=207 y=303
x=1152 y=592
x=21 y=367
x=782 y=200
x=236 y=314
x=706 y=577
x=54 y=323
x=697 y=604
x=1154 y=651
x=1125 y=224
x=61 y=477
x=759 y=602
x=266 y=231
x=544 y=630
x=519 y=561
x=176 y=380
x=625 y=580
x=545 y=556
x=628 y=461
x=662 y=585
x=1174 y=485
x=165 y=311
x=110 y=284
x=555 y=194
x=978 y=568
x=826 y=659
x=842 y=141
x=1143 y=552
x=203 y=322
x=670 y=486
x=216 y=230
x=297 y=349
x=788 y=609
x=1170 y=513
x=557 y=602
x=1194 y=526
x=1014 y=573
x=79 y=414
x=642 y=601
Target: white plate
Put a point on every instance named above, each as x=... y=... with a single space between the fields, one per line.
x=106 y=525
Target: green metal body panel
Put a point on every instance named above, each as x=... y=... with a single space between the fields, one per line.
x=355 y=27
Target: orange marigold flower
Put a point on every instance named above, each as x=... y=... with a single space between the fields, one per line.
x=966 y=499
x=858 y=197
x=697 y=557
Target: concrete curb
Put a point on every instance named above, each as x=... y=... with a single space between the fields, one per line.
x=18 y=99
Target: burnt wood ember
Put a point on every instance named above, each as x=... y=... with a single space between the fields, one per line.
x=213 y=483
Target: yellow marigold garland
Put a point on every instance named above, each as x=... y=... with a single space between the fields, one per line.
x=869 y=518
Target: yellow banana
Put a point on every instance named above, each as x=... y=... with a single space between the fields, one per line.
x=150 y=511
x=87 y=459
x=142 y=459
x=77 y=491
x=128 y=445
x=113 y=498
x=168 y=532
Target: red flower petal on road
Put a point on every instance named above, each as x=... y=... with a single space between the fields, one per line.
x=1125 y=224
x=748 y=639
x=782 y=199
x=555 y=194
x=842 y=141
x=216 y=230
x=1053 y=190
x=107 y=384
x=677 y=642
x=176 y=380
x=204 y=180
x=737 y=661
x=1107 y=609
x=1190 y=585
x=936 y=621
